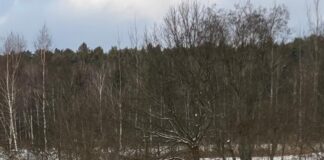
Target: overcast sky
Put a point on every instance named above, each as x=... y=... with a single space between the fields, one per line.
x=101 y=22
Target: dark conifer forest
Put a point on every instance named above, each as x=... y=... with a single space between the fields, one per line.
x=206 y=82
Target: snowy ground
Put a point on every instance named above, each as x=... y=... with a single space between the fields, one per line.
x=25 y=155
x=304 y=157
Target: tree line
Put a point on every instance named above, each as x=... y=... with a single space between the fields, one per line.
x=205 y=82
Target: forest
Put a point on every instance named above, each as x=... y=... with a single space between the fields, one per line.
x=206 y=82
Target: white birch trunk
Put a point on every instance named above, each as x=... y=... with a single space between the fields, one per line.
x=10 y=100
x=44 y=99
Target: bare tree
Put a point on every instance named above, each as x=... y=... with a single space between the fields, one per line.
x=13 y=46
x=191 y=24
x=98 y=82
x=316 y=26
x=43 y=44
x=277 y=26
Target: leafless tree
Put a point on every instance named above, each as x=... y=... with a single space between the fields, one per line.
x=43 y=44
x=191 y=24
x=13 y=46
x=99 y=78
x=316 y=25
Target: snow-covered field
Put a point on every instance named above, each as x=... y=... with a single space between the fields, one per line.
x=25 y=155
x=290 y=157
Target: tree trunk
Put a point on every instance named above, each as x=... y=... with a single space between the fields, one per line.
x=273 y=148
x=283 y=151
x=195 y=152
x=120 y=136
x=10 y=89
x=44 y=99
x=44 y=107
x=232 y=153
x=31 y=129
x=245 y=149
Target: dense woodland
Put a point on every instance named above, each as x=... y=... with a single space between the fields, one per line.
x=207 y=82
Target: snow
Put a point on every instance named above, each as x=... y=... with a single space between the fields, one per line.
x=289 y=157
x=24 y=154
x=52 y=155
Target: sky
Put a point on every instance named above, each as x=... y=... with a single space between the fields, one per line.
x=106 y=22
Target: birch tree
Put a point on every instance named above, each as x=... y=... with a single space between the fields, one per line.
x=13 y=46
x=98 y=82
x=316 y=25
x=43 y=44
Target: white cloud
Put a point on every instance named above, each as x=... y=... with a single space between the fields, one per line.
x=147 y=9
x=85 y=4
